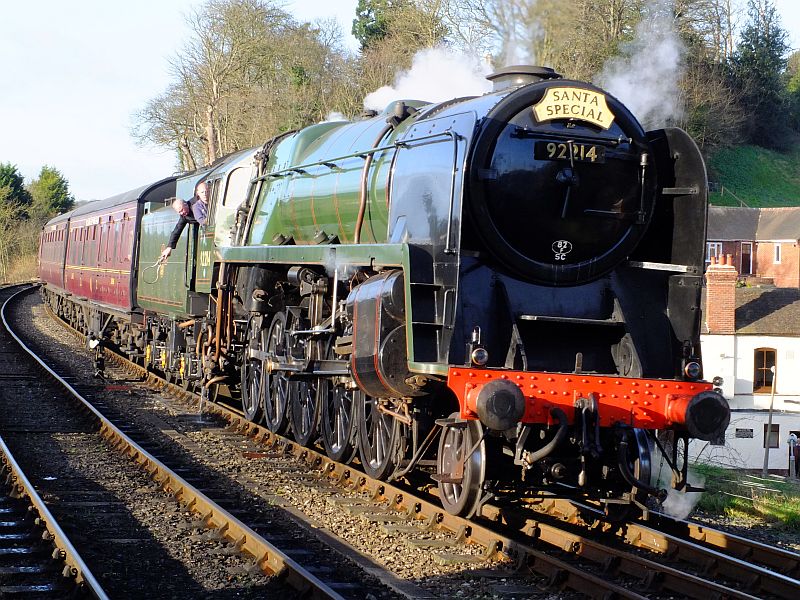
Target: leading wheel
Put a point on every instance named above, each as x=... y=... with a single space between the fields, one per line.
x=337 y=415
x=253 y=379
x=639 y=463
x=461 y=466
x=276 y=388
x=378 y=439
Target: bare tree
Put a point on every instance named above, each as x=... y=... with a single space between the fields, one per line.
x=249 y=73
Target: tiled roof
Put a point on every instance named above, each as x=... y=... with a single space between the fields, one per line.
x=727 y=223
x=768 y=311
x=779 y=224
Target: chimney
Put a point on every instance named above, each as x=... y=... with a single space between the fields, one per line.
x=721 y=296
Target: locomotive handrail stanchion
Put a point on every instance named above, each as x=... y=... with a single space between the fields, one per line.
x=455 y=137
x=362 y=196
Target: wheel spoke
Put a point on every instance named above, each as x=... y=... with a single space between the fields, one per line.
x=462 y=494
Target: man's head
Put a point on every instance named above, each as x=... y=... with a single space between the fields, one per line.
x=201 y=191
x=180 y=207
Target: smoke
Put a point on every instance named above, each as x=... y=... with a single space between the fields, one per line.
x=519 y=32
x=436 y=74
x=334 y=116
x=645 y=76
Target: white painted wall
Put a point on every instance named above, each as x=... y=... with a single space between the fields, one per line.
x=748 y=453
x=732 y=358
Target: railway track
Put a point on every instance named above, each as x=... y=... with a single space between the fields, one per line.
x=36 y=556
x=92 y=502
x=557 y=547
x=764 y=569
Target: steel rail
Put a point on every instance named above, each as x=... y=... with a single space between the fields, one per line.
x=512 y=544
x=782 y=561
x=77 y=567
x=714 y=562
x=717 y=552
x=267 y=556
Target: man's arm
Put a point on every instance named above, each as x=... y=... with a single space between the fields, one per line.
x=176 y=232
x=174 y=237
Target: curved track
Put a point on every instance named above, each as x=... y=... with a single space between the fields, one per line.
x=36 y=555
x=267 y=556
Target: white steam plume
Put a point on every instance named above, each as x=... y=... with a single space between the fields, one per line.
x=646 y=75
x=436 y=74
x=334 y=116
x=680 y=504
x=518 y=32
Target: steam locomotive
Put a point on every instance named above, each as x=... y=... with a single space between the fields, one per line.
x=501 y=291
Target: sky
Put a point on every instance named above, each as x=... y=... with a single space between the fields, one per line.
x=76 y=73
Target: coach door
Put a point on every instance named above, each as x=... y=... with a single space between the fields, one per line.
x=164 y=287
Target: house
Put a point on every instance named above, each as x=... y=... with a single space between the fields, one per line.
x=746 y=333
x=762 y=241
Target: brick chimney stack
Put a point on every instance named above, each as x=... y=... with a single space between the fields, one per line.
x=721 y=296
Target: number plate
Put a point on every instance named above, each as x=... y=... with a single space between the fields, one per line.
x=590 y=153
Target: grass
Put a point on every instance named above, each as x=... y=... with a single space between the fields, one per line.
x=738 y=494
x=759 y=177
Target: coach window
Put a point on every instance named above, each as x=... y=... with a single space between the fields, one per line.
x=117 y=240
x=764 y=360
x=107 y=235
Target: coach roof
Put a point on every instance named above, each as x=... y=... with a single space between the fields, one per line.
x=139 y=194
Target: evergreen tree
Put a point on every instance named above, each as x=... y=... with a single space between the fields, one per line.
x=793 y=88
x=373 y=20
x=50 y=193
x=12 y=180
x=758 y=67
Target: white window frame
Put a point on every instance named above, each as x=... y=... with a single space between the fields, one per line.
x=777 y=254
x=717 y=251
